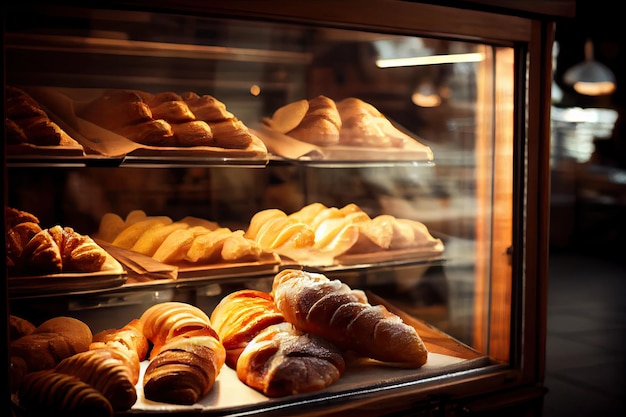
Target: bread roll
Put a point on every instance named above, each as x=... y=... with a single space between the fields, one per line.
x=19 y=327
x=50 y=342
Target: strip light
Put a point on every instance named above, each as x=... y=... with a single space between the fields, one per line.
x=429 y=60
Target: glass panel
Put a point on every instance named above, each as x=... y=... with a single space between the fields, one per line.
x=454 y=97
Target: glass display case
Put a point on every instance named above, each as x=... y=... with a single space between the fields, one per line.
x=415 y=136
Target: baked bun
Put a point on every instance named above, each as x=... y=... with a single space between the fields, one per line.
x=19 y=327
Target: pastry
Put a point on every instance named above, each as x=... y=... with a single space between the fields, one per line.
x=241 y=315
x=321 y=123
x=55 y=394
x=48 y=344
x=332 y=310
x=186 y=356
x=280 y=360
x=269 y=354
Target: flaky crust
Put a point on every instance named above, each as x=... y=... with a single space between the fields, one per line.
x=240 y=316
x=321 y=123
x=281 y=361
x=331 y=310
x=55 y=394
x=186 y=356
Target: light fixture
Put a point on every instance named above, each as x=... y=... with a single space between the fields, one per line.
x=590 y=77
x=426 y=95
x=429 y=60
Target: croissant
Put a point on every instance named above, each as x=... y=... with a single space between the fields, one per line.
x=27 y=122
x=240 y=316
x=186 y=356
x=79 y=253
x=362 y=124
x=332 y=310
x=116 y=109
x=106 y=370
x=184 y=369
x=280 y=360
x=129 y=341
x=56 y=394
x=321 y=123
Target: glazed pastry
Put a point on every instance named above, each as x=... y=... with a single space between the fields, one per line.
x=333 y=311
x=156 y=132
x=269 y=354
x=172 y=111
x=240 y=316
x=280 y=360
x=206 y=107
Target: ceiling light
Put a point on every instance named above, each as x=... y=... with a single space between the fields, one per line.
x=429 y=60
x=590 y=77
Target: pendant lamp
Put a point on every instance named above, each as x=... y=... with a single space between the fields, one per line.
x=590 y=77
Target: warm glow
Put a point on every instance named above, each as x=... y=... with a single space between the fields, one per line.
x=255 y=90
x=429 y=60
x=426 y=100
x=594 y=88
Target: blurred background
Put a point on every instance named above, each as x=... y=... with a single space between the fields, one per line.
x=588 y=138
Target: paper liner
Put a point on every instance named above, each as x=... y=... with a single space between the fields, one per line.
x=291 y=148
x=112 y=275
x=67 y=102
x=446 y=355
x=145 y=269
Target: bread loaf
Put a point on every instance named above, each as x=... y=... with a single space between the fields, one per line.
x=332 y=310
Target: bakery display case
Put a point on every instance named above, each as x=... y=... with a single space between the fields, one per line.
x=276 y=208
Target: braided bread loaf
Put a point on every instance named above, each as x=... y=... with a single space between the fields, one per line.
x=332 y=310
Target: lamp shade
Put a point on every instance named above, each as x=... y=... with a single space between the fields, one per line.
x=590 y=77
